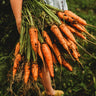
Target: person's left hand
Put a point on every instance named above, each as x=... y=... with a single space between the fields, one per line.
x=18 y=24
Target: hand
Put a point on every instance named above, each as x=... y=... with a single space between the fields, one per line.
x=18 y=24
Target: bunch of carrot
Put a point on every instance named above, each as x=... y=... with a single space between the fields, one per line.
x=30 y=69
x=49 y=41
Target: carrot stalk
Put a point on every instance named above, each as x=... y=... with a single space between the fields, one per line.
x=90 y=41
x=91 y=25
x=49 y=12
x=85 y=50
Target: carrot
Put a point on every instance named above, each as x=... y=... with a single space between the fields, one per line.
x=67 y=42
x=83 y=29
x=71 y=28
x=60 y=37
x=27 y=72
x=33 y=32
x=62 y=15
x=67 y=65
x=75 y=31
x=74 y=49
x=75 y=54
x=47 y=39
x=67 y=32
x=57 y=53
x=48 y=58
x=87 y=32
x=80 y=35
x=17 y=48
x=35 y=71
x=72 y=44
x=76 y=17
x=78 y=27
x=73 y=39
x=39 y=51
x=16 y=64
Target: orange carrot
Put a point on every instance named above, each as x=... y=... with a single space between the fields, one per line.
x=67 y=42
x=76 y=17
x=60 y=37
x=67 y=32
x=74 y=48
x=57 y=53
x=33 y=32
x=39 y=51
x=17 y=48
x=80 y=35
x=47 y=39
x=78 y=27
x=27 y=72
x=82 y=29
x=75 y=54
x=71 y=28
x=35 y=71
x=16 y=64
x=76 y=32
x=73 y=45
x=67 y=65
x=62 y=15
x=87 y=32
x=48 y=58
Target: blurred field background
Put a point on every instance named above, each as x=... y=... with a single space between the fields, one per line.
x=77 y=83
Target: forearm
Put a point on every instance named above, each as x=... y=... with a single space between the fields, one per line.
x=16 y=8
